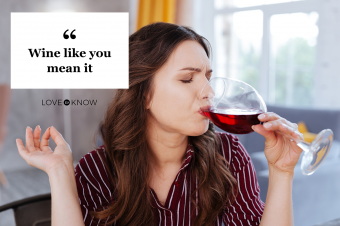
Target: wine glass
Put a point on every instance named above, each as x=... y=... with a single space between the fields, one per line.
x=233 y=106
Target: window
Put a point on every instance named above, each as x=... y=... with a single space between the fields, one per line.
x=247 y=3
x=239 y=45
x=293 y=41
x=269 y=44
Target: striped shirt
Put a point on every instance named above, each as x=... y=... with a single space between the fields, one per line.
x=95 y=189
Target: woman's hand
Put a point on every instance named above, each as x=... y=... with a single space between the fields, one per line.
x=40 y=155
x=281 y=153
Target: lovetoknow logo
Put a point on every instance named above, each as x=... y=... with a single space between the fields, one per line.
x=66 y=102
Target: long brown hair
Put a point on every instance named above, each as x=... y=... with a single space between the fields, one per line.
x=124 y=135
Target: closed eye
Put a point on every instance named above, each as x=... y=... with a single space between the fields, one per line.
x=187 y=81
x=208 y=76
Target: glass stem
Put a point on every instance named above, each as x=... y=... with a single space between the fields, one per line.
x=301 y=143
x=304 y=145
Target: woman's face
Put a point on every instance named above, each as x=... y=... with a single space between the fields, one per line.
x=174 y=106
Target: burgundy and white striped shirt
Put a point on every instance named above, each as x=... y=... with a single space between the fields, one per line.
x=95 y=190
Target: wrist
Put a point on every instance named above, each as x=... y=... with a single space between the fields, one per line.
x=61 y=169
x=62 y=182
x=274 y=171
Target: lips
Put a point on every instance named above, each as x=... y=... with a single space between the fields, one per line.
x=201 y=112
x=203 y=109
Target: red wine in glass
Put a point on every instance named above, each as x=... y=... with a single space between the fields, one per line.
x=234 y=106
x=234 y=120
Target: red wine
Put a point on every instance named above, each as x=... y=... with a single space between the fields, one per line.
x=238 y=121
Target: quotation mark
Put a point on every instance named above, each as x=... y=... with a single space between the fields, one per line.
x=66 y=36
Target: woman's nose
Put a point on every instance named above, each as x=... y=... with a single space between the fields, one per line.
x=206 y=88
x=206 y=94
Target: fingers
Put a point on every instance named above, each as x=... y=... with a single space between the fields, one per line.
x=45 y=138
x=22 y=150
x=281 y=126
x=29 y=139
x=57 y=137
x=271 y=116
x=32 y=140
x=36 y=136
x=268 y=116
x=269 y=135
x=298 y=135
x=275 y=122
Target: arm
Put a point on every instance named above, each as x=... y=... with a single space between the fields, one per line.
x=58 y=166
x=248 y=209
x=279 y=207
x=64 y=197
x=248 y=206
x=93 y=186
x=282 y=154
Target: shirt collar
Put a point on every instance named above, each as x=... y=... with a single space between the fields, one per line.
x=189 y=155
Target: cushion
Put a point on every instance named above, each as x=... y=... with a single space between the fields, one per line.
x=307 y=136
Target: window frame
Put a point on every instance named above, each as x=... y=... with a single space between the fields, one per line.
x=266 y=81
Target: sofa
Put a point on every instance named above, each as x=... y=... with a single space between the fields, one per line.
x=316 y=198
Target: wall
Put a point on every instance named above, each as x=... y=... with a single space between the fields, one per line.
x=327 y=78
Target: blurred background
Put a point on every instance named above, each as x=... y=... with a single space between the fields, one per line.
x=287 y=50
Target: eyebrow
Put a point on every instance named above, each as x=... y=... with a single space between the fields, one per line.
x=194 y=69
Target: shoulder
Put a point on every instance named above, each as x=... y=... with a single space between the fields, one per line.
x=248 y=208
x=93 y=160
x=91 y=169
x=233 y=151
x=93 y=186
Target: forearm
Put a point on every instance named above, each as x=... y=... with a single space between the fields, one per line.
x=278 y=207
x=65 y=203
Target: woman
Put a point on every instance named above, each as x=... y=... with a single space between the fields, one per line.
x=161 y=158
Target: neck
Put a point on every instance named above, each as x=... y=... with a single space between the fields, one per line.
x=168 y=149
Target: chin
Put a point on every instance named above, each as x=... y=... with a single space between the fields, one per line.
x=198 y=130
